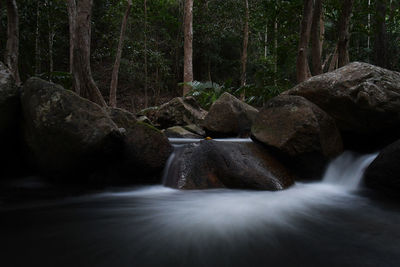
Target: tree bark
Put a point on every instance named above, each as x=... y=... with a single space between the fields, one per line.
x=146 y=97
x=317 y=38
x=344 y=35
x=380 y=34
x=114 y=78
x=84 y=84
x=51 y=41
x=12 y=52
x=245 y=45
x=71 y=19
x=188 y=46
x=37 y=41
x=302 y=63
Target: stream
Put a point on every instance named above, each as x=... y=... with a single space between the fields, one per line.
x=334 y=222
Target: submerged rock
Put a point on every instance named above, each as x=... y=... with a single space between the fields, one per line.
x=66 y=135
x=10 y=109
x=180 y=111
x=213 y=164
x=363 y=99
x=300 y=131
x=229 y=116
x=383 y=174
x=146 y=149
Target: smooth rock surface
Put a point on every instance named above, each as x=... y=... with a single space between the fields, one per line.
x=146 y=149
x=229 y=116
x=299 y=130
x=383 y=175
x=180 y=132
x=363 y=99
x=213 y=164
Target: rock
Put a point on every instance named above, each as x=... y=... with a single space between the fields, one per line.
x=150 y=113
x=180 y=111
x=228 y=116
x=300 y=131
x=10 y=109
x=180 y=132
x=145 y=120
x=383 y=175
x=362 y=98
x=146 y=149
x=67 y=136
x=213 y=164
x=195 y=129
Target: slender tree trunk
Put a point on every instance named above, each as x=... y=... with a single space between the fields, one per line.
x=188 y=46
x=302 y=63
x=334 y=61
x=266 y=40
x=12 y=52
x=276 y=44
x=71 y=19
x=37 y=41
x=245 y=45
x=114 y=78
x=52 y=34
x=344 y=35
x=83 y=79
x=380 y=34
x=146 y=100
x=317 y=38
x=369 y=30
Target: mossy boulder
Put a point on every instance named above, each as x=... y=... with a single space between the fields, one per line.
x=146 y=149
x=66 y=135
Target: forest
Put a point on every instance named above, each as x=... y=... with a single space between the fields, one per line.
x=200 y=133
x=248 y=47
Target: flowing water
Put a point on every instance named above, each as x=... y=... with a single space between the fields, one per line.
x=329 y=223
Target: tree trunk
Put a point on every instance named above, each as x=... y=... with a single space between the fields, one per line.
x=344 y=35
x=84 y=84
x=52 y=34
x=12 y=52
x=114 y=78
x=146 y=97
x=37 y=41
x=71 y=19
x=317 y=38
x=188 y=46
x=302 y=63
x=245 y=45
x=380 y=34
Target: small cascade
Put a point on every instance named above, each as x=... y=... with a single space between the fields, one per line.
x=348 y=169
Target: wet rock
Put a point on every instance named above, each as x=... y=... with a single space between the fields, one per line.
x=146 y=149
x=180 y=132
x=383 y=175
x=195 y=129
x=66 y=135
x=363 y=99
x=213 y=164
x=228 y=116
x=300 y=131
x=180 y=111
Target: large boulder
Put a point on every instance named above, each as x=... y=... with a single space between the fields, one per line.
x=362 y=98
x=300 y=131
x=179 y=111
x=66 y=134
x=10 y=109
x=213 y=164
x=146 y=149
x=228 y=116
x=383 y=174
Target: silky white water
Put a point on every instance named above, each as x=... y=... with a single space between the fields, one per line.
x=324 y=223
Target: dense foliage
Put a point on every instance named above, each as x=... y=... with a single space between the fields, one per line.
x=218 y=34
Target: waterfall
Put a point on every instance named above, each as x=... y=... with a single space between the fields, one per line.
x=348 y=169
